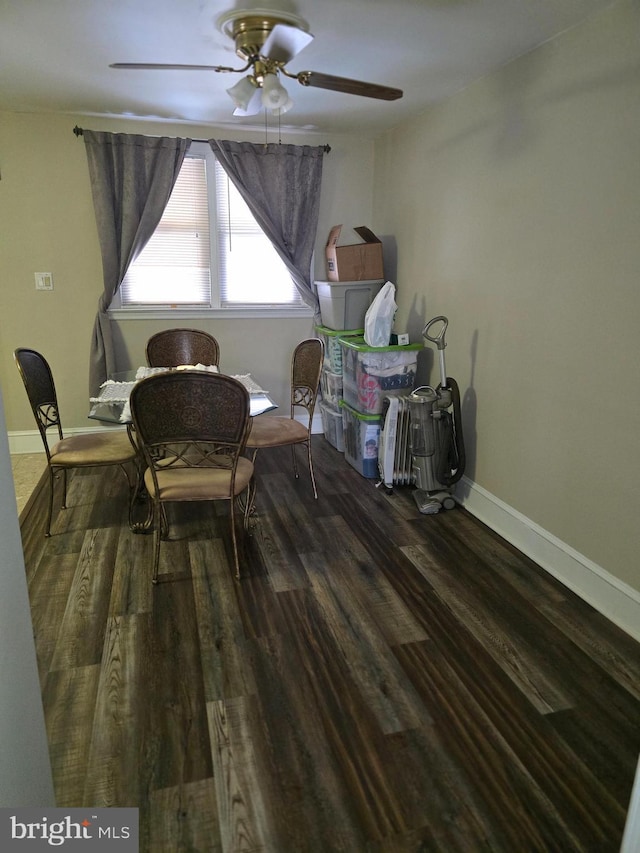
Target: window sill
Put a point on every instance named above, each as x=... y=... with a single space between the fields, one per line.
x=193 y=313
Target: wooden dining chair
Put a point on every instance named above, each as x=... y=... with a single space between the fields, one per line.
x=278 y=431
x=173 y=347
x=192 y=428
x=88 y=450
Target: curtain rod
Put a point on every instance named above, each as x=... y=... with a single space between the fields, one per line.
x=79 y=131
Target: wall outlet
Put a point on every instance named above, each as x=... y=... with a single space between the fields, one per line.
x=44 y=281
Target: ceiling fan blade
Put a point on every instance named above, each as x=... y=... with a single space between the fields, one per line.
x=163 y=66
x=350 y=87
x=253 y=107
x=284 y=42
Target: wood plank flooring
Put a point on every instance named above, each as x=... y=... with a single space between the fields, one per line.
x=378 y=681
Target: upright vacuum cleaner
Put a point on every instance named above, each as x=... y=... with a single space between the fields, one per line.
x=435 y=434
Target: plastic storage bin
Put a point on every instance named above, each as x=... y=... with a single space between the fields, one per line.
x=343 y=304
x=332 y=425
x=369 y=373
x=361 y=440
x=333 y=347
x=331 y=385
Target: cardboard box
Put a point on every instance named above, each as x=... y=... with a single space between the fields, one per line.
x=358 y=262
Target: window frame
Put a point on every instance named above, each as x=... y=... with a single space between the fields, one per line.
x=146 y=312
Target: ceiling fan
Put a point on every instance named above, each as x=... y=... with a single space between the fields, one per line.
x=266 y=40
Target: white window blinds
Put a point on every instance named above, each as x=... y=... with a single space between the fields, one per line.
x=174 y=266
x=250 y=271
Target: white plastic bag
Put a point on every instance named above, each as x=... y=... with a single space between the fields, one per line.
x=378 y=321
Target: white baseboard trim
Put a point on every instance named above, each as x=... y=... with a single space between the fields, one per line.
x=615 y=599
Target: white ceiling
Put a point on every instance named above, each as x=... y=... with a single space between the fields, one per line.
x=54 y=55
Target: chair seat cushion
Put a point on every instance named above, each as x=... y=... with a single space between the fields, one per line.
x=276 y=431
x=199 y=484
x=98 y=448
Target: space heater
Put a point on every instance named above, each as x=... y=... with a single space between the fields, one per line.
x=394 y=449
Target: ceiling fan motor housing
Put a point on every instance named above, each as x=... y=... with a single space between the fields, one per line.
x=250 y=29
x=249 y=34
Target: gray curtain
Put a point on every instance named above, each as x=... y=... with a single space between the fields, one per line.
x=281 y=186
x=132 y=178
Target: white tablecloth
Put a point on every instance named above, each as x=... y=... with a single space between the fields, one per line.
x=112 y=391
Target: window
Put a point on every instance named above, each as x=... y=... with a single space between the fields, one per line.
x=208 y=251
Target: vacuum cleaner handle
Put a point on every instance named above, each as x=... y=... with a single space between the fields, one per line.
x=440 y=343
x=439 y=339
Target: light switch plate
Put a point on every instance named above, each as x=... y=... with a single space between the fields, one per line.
x=44 y=281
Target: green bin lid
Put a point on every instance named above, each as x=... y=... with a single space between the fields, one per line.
x=358 y=343
x=339 y=332
x=361 y=416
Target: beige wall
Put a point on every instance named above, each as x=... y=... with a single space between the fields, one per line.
x=516 y=211
x=47 y=225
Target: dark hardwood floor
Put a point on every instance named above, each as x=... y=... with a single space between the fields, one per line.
x=379 y=680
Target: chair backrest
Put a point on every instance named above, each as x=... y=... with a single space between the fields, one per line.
x=41 y=391
x=190 y=419
x=173 y=347
x=306 y=367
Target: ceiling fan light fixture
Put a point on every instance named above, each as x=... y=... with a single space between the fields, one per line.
x=253 y=107
x=242 y=92
x=274 y=95
x=280 y=111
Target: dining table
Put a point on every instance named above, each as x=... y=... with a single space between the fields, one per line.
x=111 y=405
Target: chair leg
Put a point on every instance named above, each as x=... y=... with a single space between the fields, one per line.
x=64 y=488
x=232 y=514
x=251 y=491
x=164 y=522
x=137 y=496
x=47 y=531
x=295 y=462
x=157 y=536
x=248 y=503
x=133 y=491
x=313 y=479
x=131 y=483
x=251 y=499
